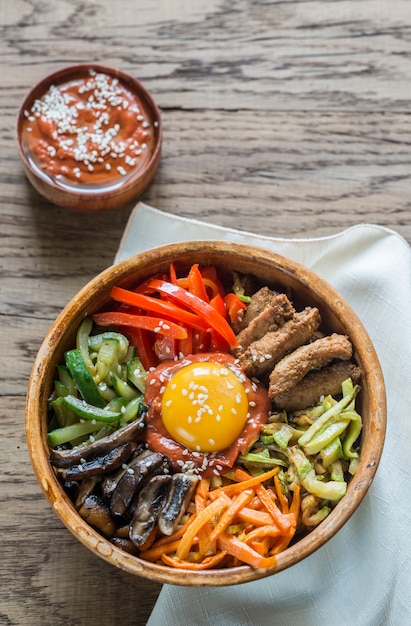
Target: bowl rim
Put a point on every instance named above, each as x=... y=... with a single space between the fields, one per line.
x=58 y=77
x=357 y=487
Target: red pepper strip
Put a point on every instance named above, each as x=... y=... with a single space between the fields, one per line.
x=173 y=274
x=155 y=305
x=204 y=309
x=234 y=306
x=185 y=346
x=211 y=280
x=218 y=303
x=195 y=283
x=139 y=338
x=116 y=318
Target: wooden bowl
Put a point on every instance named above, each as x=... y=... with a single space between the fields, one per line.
x=272 y=269
x=77 y=139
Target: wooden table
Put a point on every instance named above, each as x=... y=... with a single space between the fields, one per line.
x=283 y=117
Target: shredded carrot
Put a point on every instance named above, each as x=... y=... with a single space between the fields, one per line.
x=296 y=503
x=230 y=513
x=245 y=553
x=235 y=488
x=208 y=563
x=281 y=497
x=207 y=514
x=255 y=517
x=156 y=552
x=263 y=531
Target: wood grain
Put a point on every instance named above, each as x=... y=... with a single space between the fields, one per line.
x=284 y=117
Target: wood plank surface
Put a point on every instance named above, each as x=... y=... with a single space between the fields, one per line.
x=284 y=117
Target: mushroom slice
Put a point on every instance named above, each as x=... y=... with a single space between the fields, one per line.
x=86 y=488
x=110 y=481
x=100 y=464
x=150 y=502
x=182 y=488
x=97 y=514
x=134 y=477
x=124 y=544
x=67 y=458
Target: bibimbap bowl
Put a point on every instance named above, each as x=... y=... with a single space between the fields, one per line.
x=293 y=482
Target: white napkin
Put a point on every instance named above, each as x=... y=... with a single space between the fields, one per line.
x=363 y=575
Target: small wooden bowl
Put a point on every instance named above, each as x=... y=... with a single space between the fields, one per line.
x=90 y=195
x=273 y=270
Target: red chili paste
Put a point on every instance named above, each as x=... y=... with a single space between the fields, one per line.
x=182 y=459
x=90 y=130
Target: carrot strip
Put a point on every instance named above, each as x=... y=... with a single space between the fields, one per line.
x=281 y=544
x=296 y=502
x=281 y=497
x=279 y=518
x=206 y=515
x=205 y=547
x=177 y=534
x=244 y=552
x=155 y=553
x=208 y=563
x=245 y=483
x=255 y=517
x=229 y=514
x=263 y=531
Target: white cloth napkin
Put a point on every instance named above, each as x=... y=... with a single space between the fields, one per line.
x=361 y=577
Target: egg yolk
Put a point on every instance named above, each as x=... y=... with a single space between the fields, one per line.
x=204 y=406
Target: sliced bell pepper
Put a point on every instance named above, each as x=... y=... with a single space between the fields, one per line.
x=204 y=309
x=155 y=305
x=140 y=339
x=117 y=318
x=196 y=284
x=234 y=306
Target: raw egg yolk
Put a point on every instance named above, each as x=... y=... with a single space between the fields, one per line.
x=204 y=406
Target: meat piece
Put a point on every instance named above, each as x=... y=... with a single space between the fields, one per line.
x=278 y=310
x=323 y=382
x=259 y=301
x=293 y=367
x=150 y=502
x=263 y=354
x=130 y=432
x=182 y=488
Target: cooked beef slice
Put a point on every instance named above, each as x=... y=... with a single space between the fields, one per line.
x=293 y=367
x=323 y=382
x=259 y=301
x=278 y=310
x=263 y=354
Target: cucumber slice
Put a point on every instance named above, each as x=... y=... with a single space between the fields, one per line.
x=88 y=411
x=83 y=379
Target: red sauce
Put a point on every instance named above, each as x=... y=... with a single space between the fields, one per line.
x=91 y=130
x=182 y=459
